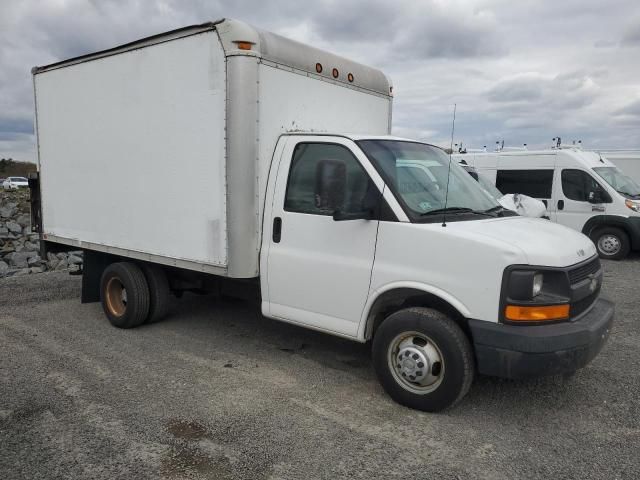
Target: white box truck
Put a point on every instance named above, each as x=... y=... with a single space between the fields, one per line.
x=215 y=158
x=581 y=189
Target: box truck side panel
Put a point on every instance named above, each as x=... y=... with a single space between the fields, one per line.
x=132 y=150
x=297 y=102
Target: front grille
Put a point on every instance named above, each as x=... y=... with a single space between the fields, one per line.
x=579 y=307
x=582 y=272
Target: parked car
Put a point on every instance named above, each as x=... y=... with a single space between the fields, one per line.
x=581 y=189
x=14 y=183
x=341 y=233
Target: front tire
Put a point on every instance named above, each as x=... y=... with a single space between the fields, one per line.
x=612 y=243
x=124 y=294
x=423 y=359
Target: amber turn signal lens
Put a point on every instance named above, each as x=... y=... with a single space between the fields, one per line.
x=536 y=313
x=244 y=45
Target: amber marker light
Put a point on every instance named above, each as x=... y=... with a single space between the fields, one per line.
x=350 y=77
x=318 y=68
x=242 y=45
x=536 y=313
x=335 y=73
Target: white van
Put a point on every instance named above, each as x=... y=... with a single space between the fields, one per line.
x=341 y=233
x=582 y=190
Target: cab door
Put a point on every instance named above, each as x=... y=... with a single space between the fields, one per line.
x=320 y=249
x=578 y=196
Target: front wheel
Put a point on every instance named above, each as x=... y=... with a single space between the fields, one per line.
x=612 y=243
x=423 y=359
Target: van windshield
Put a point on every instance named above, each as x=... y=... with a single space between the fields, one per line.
x=621 y=182
x=489 y=187
x=417 y=175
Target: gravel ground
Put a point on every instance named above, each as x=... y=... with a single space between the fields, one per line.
x=217 y=391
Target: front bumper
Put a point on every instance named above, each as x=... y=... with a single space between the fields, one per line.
x=514 y=351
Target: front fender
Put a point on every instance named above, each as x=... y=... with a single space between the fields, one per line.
x=405 y=285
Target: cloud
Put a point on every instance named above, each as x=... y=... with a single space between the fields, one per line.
x=534 y=90
x=526 y=71
x=632 y=110
x=631 y=35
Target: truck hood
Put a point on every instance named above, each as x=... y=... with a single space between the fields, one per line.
x=541 y=241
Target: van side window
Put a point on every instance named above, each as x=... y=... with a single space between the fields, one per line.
x=325 y=177
x=534 y=183
x=577 y=185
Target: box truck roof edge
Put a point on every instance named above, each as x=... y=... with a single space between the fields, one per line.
x=239 y=38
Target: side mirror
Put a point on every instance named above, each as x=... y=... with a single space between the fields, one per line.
x=597 y=196
x=331 y=184
x=371 y=205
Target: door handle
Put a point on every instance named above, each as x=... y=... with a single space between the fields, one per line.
x=560 y=204
x=277 y=230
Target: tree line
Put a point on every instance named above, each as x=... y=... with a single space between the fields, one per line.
x=13 y=168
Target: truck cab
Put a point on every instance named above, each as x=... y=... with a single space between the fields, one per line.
x=358 y=244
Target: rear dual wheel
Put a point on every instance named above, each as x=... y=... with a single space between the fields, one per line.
x=132 y=295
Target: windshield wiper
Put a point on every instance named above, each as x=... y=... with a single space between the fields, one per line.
x=497 y=208
x=454 y=210
x=500 y=211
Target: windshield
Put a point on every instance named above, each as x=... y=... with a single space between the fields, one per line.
x=619 y=181
x=489 y=186
x=417 y=175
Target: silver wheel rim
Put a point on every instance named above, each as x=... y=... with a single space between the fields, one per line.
x=416 y=362
x=609 y=244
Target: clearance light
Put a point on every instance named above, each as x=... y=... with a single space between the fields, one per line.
x=536 y=313
x=350 y=77
x=335 y=73
x=318 y=67
x=242 y=45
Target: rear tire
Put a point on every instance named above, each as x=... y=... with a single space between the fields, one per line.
x=611 y=243
x=158 y=292
x=423 y=359
x=124 y=294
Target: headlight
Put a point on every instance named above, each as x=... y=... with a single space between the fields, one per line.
x=538 y=279
x=535 y=295
x=635 y=206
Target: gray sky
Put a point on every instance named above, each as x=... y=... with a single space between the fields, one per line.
x=524 y=71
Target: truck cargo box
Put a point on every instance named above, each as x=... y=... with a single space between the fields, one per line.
x=160 y=149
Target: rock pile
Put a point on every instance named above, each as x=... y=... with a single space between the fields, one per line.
x=19 y=247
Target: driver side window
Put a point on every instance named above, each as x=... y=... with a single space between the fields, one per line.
x=578 y=185
x=326 y=177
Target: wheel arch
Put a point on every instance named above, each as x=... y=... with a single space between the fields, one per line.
x=623 y=223
x=603 y=221
x=392 y=298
